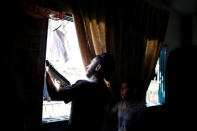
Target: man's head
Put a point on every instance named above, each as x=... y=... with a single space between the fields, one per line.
x=101 y=66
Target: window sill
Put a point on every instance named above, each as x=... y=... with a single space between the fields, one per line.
x=55 y=119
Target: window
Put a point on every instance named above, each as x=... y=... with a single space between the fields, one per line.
x=64 y=54
x=155 y=94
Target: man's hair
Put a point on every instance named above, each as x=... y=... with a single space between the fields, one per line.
x=107 y=62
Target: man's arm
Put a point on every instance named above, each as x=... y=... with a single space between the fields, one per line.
x=62 y=92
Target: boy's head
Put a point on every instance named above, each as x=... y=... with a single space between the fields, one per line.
x=129 y=90
x=124 y=91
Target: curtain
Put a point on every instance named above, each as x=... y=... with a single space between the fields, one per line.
x=154 y=36
x=132 y=32
x=90 y=26
x=57 y=51
x=36 y=11
x=162 y=75
x=135 y=36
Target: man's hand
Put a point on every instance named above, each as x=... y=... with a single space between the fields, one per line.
x=48 y=63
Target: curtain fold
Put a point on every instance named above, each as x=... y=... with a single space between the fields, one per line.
x=90 y=26
x=80 y=29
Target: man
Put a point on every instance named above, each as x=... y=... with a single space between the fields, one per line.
x=89 y=98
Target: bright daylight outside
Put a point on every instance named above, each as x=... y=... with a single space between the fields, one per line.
x=155 y=94
x=152 y=92
x=64 y=55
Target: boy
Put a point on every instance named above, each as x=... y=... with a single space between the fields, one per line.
x=128 y=107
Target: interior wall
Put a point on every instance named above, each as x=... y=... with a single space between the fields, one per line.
x=182 y=26
x=173 y=33
x=194 y=36
x=181 y=30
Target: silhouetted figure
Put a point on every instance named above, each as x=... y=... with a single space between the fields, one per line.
x=179 y=110
x=181 y=84
x=89 y=98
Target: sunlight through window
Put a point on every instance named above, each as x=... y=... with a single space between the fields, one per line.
x=64 y=54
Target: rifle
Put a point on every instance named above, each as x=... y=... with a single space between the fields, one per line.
x=56 y=75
